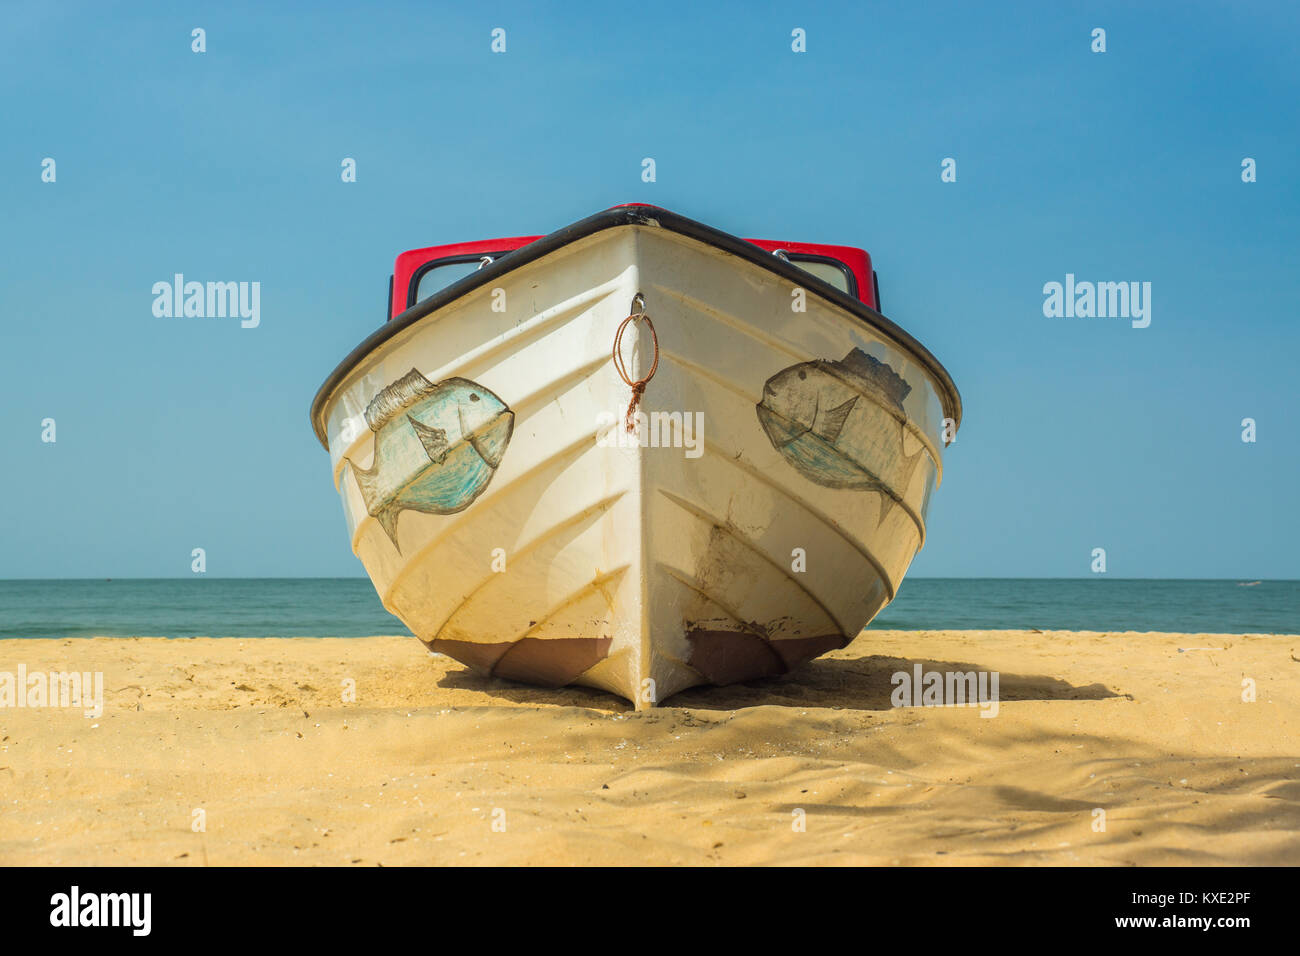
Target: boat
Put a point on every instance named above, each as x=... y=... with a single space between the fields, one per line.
x=637 y=454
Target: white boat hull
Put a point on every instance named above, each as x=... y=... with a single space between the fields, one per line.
x=736 y=543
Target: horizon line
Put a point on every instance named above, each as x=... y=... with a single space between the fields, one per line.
x=1088 y=577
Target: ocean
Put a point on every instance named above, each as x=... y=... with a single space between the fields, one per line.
x=349 y=607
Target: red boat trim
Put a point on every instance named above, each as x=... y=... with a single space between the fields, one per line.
x=412 y=265
x=652 y=217
x=426 y=268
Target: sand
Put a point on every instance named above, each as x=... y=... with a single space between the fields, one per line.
x=235 y=752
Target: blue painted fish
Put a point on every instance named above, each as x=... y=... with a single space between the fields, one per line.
x=436 y=447
x=840 y=423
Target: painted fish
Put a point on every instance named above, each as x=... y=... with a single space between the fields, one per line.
x=841 y=424
x=436 y=447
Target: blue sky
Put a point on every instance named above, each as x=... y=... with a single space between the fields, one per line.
x=1079 y=433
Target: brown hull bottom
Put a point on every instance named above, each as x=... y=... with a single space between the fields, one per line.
x=717 y=657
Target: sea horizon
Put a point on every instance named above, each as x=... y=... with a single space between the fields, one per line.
x=362 y=577
x=212 y=606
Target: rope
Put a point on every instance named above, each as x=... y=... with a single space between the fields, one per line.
x=638 y=386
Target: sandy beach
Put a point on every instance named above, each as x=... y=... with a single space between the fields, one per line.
x=244 y=751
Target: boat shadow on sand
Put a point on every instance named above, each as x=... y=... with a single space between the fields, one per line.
x=860 y=683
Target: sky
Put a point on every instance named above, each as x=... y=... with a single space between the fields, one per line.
x=1079 y=433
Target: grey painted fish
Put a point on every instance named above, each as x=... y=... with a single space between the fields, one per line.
x=436 y=447
x=840 y=423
